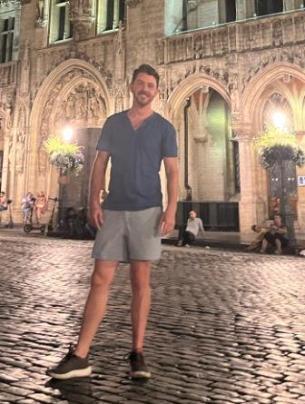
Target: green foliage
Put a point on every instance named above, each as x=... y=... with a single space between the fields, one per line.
x=55 y=145
x=66 y=156
x=276 y=145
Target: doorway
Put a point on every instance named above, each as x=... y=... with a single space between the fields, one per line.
x=77 y=190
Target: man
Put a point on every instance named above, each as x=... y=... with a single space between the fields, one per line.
x=257 y=242
x=130 y=221
x=193 y=228
x=276 y=236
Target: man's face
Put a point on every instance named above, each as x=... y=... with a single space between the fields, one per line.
x=192 y=214
x=144 y=89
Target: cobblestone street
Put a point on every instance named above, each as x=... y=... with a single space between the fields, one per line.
x=224 y=328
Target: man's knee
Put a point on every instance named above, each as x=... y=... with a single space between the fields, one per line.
x=103 y=274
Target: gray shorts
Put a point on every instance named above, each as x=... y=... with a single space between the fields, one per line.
x=129 y=235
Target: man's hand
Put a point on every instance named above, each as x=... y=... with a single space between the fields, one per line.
x=96 y=218
x=167 y=223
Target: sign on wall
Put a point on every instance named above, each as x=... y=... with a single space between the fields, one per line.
x=301 y=180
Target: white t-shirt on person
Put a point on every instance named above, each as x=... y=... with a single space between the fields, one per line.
x=194 y=226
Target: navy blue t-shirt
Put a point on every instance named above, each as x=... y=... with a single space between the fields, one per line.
x=136 y=157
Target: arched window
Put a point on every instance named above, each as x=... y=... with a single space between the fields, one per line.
x=264 y=7
x=110 y=13
x=60 y=24
x=7 y=26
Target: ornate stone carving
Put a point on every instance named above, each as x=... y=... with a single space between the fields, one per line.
x=294 y=55
x=20 y=140
x=119 y=54
x=133 y=3
x=41 y=20
x=12 y=2
x=234 y=92
x=25 y=67
x=82 y=103
x=82 y=15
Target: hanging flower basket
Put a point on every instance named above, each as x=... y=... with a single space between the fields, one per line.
x=67 y=157
x=276 y=145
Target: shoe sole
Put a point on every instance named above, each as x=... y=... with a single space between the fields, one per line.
x=140 y=375
x=72 y=374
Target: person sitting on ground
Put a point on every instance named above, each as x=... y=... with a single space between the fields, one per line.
x=257 y=242
x=276 y=236
x=193 y=227
x=3 y=202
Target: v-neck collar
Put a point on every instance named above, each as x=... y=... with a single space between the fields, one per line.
x=142 y=124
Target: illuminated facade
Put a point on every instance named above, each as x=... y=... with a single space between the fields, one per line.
x=226 y=68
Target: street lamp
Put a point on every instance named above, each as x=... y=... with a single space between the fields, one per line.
x=279 y=120
x=67 y=134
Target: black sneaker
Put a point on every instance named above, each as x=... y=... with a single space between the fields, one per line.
x=138 y=369
x=70 y=366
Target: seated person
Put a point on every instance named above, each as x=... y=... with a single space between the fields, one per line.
x=193 y=227
x=276 y=236
x=256 y=243
x=3 y=202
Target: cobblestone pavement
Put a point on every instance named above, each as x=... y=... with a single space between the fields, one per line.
x=224 y=328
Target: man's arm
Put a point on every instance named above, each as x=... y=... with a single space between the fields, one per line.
x=97 y=183
x=169 y=216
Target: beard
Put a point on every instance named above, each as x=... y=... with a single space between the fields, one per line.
x=143 y=99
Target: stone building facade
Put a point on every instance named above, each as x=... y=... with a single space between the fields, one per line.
x=225 y=66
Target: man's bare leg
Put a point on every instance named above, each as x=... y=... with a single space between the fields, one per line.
x=140 y=305
x=95 y=307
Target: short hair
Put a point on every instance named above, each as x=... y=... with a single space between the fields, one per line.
x=148 y=70
x=253 y=227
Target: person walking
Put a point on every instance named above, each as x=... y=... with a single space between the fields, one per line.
x=130 y=221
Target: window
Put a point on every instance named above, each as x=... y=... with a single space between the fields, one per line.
x=60 y=25
x=263 y=7
x=110 y=13
x=6 y=39
x=230 y=10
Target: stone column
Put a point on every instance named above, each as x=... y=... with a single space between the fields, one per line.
x=288 y=5
x=241 y=9
x=301 y=190
x=5 y=166
x=247 y=204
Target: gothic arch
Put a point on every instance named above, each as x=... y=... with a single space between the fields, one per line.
x=50 y=98
x=188 y=86
x=53 y=82
x=258 y=85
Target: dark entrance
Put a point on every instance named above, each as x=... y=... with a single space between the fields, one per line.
x=283 y=188
x=76 y=192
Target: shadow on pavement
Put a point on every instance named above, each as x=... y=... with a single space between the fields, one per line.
x=78 y=390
